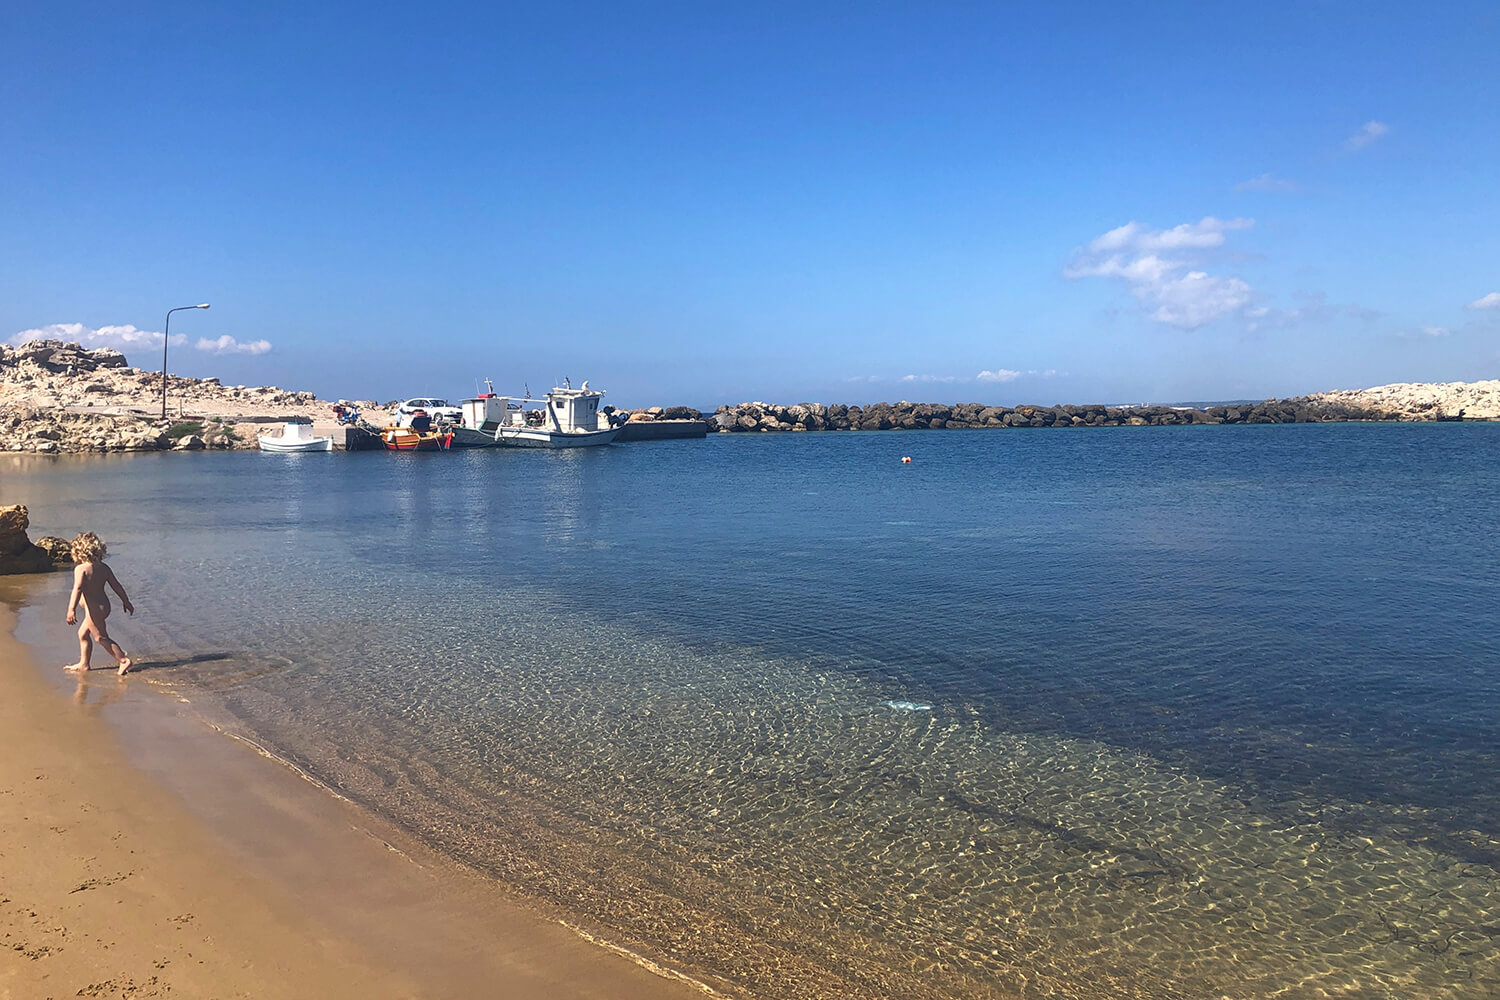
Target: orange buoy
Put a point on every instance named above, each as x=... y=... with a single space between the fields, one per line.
x=905 y=459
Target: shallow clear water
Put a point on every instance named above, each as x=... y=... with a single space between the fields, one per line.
x=1141 y=712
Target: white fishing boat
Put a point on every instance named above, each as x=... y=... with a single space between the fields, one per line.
x=296 y=435
x=566 y=418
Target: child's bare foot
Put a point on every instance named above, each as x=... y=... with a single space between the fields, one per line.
x=126 y=664
x=76 y=667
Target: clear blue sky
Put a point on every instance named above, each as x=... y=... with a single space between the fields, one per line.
x=702 y=202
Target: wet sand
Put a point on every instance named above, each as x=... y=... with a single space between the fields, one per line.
x=144 y=854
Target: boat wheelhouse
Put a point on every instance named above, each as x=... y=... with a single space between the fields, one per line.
x=566 y=418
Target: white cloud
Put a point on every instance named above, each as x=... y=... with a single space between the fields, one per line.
x=998 y=375
x=1197 y=298
x=1368 y=133
x=1421 y=333
x=1010 y=374
x=128 y=338
x=1193 y=235
x=228 y=345
x=118 y=337
x=1116 y=239
x=1265 y=182
x=1209 y=232
x=1490 y=301
x=1181 y=296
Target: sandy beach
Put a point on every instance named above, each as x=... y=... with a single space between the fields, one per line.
x=143 y=854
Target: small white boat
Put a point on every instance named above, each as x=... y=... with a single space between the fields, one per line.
x=567 y=418
x=296 y=435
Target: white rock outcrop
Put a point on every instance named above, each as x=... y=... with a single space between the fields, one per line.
x=1425 y=400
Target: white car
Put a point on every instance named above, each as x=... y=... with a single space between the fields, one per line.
x=440 y=410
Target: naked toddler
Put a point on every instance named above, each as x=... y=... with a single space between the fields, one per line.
x=89 y=580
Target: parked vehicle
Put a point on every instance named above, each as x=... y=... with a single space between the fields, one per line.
x=440 y=410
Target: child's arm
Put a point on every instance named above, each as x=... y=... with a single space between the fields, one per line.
x=77 y=593
x=114 y=582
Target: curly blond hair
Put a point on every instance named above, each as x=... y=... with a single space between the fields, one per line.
x=88 y=547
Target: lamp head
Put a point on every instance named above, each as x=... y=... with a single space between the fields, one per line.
x=201 y=305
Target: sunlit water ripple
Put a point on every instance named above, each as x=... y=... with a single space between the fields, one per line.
x=1113 y=713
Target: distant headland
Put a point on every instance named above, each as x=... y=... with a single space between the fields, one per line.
x=60 y=397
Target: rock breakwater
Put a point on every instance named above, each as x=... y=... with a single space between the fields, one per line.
x=759 y=417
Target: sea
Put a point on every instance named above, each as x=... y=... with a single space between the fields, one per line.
x=1149 y=712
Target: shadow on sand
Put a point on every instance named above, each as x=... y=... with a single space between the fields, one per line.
x=141 y=666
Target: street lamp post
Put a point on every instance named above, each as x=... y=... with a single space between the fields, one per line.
x=166 y=338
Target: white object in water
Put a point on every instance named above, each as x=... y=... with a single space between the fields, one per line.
x=908 y=706
x=296 y=435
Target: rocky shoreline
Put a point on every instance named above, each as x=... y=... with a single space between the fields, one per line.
x=59 y=397
x=19 y=554
x=1423 y=400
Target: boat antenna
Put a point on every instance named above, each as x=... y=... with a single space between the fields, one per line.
x=489 y=386
x=528 y=389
